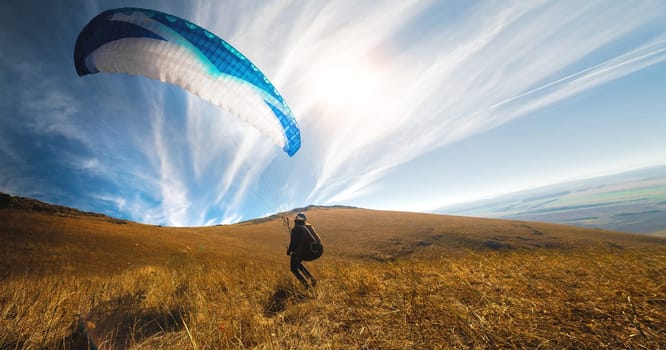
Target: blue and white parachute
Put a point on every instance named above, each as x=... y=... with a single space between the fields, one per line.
x=173 y=50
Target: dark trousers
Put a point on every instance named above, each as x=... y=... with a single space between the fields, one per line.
x=297 y=267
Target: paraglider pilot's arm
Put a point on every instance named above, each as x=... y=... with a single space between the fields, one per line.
x=294 y=240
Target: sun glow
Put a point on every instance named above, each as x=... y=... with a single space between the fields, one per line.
x=346 y=83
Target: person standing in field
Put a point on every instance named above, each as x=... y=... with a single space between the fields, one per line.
x=305 y=245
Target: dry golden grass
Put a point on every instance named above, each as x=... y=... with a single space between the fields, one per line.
x=386 y=281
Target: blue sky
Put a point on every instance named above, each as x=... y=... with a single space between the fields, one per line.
x=404 y=105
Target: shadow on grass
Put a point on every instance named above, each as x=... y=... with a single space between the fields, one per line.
x=279 y=301
x=123 y=322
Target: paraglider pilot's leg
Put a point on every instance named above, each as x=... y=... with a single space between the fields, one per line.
x=307 y=274
x=296 y=266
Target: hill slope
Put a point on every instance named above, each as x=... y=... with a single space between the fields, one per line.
x=387 y=280
x=661 y=233
x=36 y=233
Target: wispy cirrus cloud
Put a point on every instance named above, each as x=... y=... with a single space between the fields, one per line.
x=457 y=79
x=604 y=72
x=434 y=84
x=30 y=92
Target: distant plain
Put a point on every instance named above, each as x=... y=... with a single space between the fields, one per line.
x=633 y=201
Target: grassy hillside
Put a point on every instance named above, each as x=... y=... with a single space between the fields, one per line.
x=387 y=280
x=659 y=233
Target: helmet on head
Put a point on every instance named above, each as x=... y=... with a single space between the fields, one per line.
x=300 y=217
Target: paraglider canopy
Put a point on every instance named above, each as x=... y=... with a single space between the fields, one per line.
x=173 y=50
